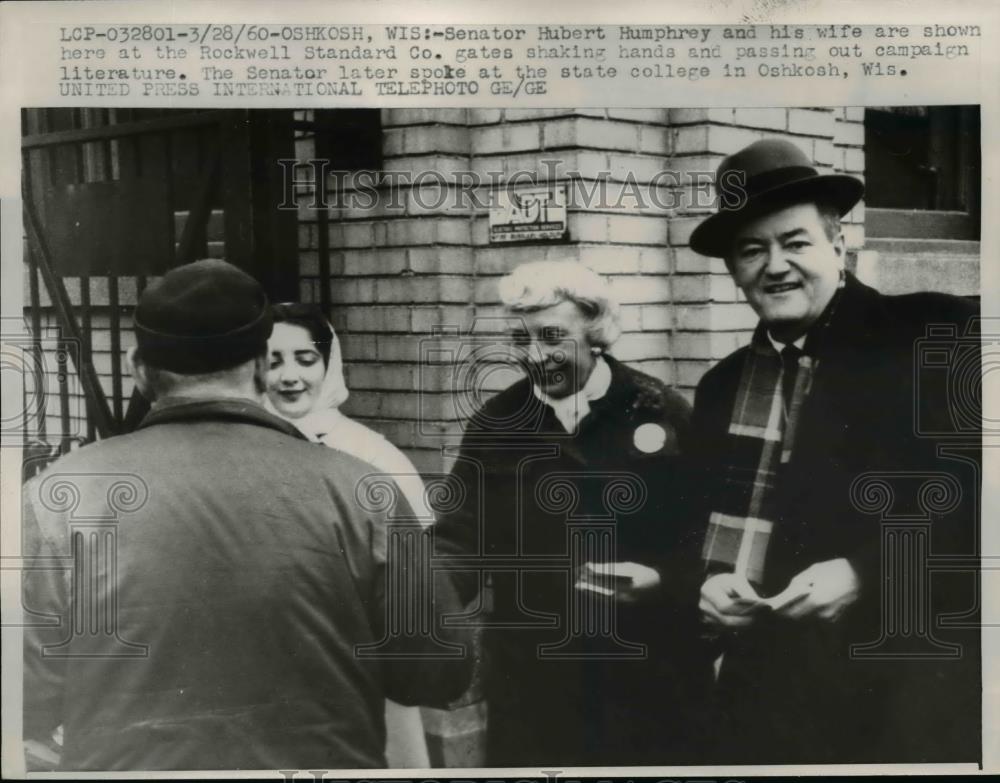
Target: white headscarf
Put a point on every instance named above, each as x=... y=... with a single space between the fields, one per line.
x=325 y=424
x=324 y=415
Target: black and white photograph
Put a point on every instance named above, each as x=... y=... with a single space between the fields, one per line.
x=645 y=437
x=419 y=392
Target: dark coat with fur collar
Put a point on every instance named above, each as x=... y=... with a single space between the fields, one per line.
x=527 y=484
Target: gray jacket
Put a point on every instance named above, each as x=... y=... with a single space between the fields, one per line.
x=200 y=588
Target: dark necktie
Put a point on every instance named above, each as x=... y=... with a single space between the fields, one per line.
x=790 y=366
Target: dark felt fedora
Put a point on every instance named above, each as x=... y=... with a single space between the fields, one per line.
x=202 y=317
x=765 y=176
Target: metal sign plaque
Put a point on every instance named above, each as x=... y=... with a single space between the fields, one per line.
x=529 y=214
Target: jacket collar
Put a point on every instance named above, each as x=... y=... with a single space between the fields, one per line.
x=232 y=409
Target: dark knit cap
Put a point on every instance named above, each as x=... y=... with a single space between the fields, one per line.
x=202 y=317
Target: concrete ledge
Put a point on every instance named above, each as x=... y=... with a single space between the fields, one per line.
x=904 y=274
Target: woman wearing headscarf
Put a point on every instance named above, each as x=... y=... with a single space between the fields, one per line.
x=305 y=386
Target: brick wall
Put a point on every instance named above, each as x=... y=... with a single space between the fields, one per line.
x=399 y=271
x=400 y=274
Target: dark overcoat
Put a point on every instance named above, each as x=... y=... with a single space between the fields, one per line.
x=870 y=445
x=201 y=588
x=556 y=693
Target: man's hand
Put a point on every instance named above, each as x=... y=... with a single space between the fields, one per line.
x=729 y=601
x=823 y=590
x=628 y=582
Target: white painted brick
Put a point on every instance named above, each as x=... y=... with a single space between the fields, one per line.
x=849 y=134
x=690 y=140
x=824 y=153
x=357 y=290
x=519 y=115
x=656 y=317
x=606 y=259
x=691 y=288
x=723 y=289
x=688 y=373
x=641 y=290
x=484 y=116
x=630 y=318
x=690 y=169
x=854 y=235
x=655 y=260
x=656 y=116
x=637 y=230
x=410 y=231
x=371 y=377
x=485 y=291
x=507 y=138
x=689 y=116
x=686 y=261
x=426 y=319
x=691 y=316
x=394 y=117
x=423 y=139
x=732 y=317
x=440 y=260
x=393 y=141
x=679 y=230
x=378 y=319
x=374 y=261
x=727 y=140
x=810 y=122
x=854 y=160
x=588 y=227
x=479 y=231
x=769 y=118
x=635 y=168
x=642 y=345
x=434 y=199
x=654 y=140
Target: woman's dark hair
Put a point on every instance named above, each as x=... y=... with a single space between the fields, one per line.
x=310 y=318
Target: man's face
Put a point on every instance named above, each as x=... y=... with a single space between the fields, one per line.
x=788 y=268
x=557 y=351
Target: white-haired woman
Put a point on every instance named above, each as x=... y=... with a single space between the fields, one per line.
x=605 y=666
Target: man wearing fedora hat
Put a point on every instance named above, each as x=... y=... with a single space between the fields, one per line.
x=220 y=625
x=782 y=429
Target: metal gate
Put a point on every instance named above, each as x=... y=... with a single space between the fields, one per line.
x=113 y=197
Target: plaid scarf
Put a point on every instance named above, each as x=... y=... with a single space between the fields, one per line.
x=760 y=441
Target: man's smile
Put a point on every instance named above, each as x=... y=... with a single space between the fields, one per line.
x=781 y=288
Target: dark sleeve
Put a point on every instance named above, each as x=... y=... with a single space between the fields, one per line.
x=424 y=660
x=681 y=566
x=45 y=603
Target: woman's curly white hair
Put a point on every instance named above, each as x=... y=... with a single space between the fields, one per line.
x=540 y=284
